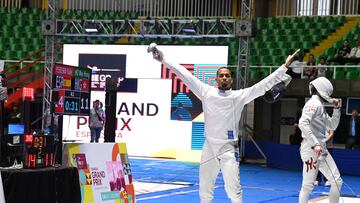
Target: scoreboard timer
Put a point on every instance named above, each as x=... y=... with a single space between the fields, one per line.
x=38 y=151
x=71 y=85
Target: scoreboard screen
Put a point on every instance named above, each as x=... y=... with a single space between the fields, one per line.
x=38 y=151
x=71 y=86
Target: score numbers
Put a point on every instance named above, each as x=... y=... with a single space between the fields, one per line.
x=73 y=102
x=39 y=151
x=72 y=88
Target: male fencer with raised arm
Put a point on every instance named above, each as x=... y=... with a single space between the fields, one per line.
x=222 y=108
x=313 y=124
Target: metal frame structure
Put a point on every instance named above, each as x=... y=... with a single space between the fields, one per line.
x=242 y=72
x=197 y=28
x=50 y=53
x=243 y=76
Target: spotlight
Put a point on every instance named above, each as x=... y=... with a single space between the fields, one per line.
x=91 y=27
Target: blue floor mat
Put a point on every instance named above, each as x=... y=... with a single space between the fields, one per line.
x=260 y=184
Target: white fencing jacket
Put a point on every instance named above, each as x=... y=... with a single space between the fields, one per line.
x=315 y=121
x=222 y=109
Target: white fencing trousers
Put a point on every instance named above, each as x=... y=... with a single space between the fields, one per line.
x=2 y=196
x=311 y=166
x=226 y=159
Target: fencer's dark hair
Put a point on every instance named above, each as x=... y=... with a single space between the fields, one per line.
x=217 y=72
x=313 y=90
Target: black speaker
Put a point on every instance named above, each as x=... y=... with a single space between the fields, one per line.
x=54 y=96
x=111 y=84
x=244 y=28
x=47 y=27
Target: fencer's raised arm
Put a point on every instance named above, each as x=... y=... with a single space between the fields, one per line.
x=267 y=83
x=333 y=121
x=195 y=85
x=309 y=112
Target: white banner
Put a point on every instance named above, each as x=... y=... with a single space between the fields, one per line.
x=144 y=104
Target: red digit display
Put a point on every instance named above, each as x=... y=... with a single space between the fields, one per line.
x=31 y=160
x=40 y=153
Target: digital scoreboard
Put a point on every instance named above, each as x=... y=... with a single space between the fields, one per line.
x=71 y=87
x=38 y=151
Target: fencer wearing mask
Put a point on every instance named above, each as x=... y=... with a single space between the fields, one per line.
x=313 y=123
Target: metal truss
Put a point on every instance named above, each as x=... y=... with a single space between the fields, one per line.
x=50 y=53
x=242 y=73
x=197 y=28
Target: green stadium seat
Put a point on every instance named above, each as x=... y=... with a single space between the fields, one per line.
x=290 y=32
x=68 y=14
x=274 y=52
x=306 y=19
x=332 y=25
x=35 y=11
x=307 y=45
x=264 y=52
x=232 y=60
x=284 y=52
x=316 y=38
x=283 y=20
x=265 y=72
x=329 y=74
x=3 y=10
x=283 y=45
x=278 y=38
x=277 y=60
x=293 y=20
x=291 y=38
x=253 y=60
x=330 y=51
x=328 y=19
x=133 y=15
x=318 y=19
x=14 y=10
x=298 y=26
x=255 y=74
x=325 y=32
x=37 y=67
x=271 y=45
x=256 y=44
x=78 y=14
x=339 y=74
x=352 y=75
x=265 y=60
x=340 y=20
x=285 y=26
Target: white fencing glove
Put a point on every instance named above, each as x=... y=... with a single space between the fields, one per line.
x=318 y=149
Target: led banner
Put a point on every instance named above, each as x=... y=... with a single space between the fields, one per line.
x=155 y=110
x=71 y=89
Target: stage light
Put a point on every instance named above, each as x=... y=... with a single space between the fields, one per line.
x=189 y=28
x=28 y=139
x=28 y=93
x=91 y=27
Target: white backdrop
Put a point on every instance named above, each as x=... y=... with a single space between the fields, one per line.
x=143 y=134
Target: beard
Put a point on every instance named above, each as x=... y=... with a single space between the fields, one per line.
x=224 y=87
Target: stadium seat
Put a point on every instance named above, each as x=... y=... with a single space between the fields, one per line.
x=253 y=60
x=255 y=74
x=352 y=75
x=329 y=74
x=340 y=74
